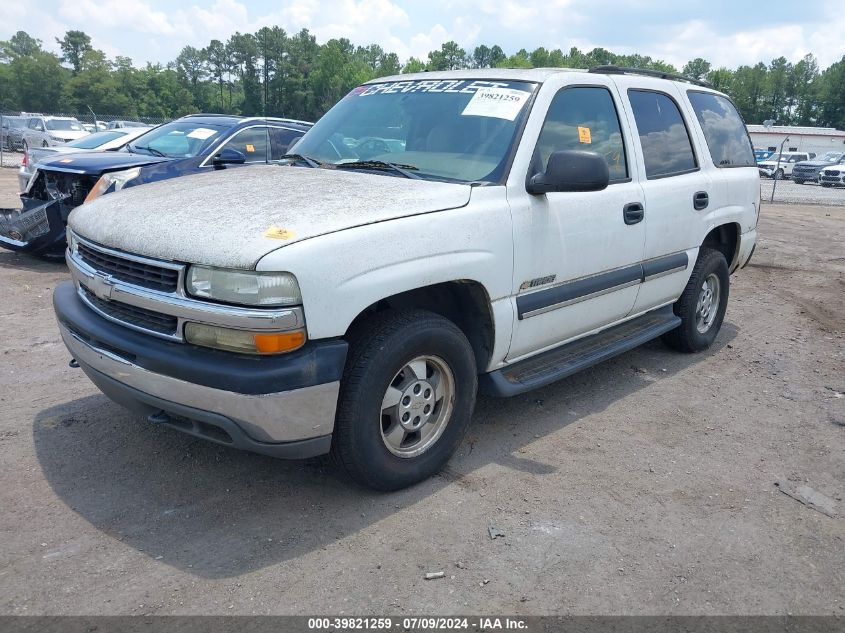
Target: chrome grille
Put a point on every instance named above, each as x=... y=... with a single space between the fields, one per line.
x=132 y=315
x=131 y=271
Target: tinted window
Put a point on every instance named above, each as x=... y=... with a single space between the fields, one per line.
x=586 y=119
x=724 y=130
x=252 y=143
x=280 y=140
x=667 y=149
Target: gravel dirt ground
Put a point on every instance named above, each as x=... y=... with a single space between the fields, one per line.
x=645 y=485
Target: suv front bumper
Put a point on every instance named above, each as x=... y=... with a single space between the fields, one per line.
x=277 y=405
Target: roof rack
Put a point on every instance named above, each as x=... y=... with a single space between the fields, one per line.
x=621 y=70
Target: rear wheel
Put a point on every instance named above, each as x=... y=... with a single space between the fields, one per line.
x=778 y=175
x=406 y=399
x=702 y=305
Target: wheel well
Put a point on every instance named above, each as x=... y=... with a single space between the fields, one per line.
x=465 y=303
x=724 y=238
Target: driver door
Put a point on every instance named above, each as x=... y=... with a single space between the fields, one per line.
x=577 y=254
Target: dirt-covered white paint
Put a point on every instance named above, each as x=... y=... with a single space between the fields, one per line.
x=220 y=218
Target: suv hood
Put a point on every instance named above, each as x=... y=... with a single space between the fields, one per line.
x=815 y=163
x=220 y=218
x=96 y=163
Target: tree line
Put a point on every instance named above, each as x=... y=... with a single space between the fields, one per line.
x=275 y=73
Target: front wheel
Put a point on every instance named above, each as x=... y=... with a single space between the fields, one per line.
x=778 y=175
x=702 y=305
x=406 y=399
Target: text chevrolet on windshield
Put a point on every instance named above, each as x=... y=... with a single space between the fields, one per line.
x=431 y=235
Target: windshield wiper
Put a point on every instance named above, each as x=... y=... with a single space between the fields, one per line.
x=399 y=168
x=302 y=159
x=151 y=150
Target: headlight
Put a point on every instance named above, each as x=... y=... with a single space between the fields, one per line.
x=243 y=287
x=242 y=340
x=72 y=244
x=116 y=178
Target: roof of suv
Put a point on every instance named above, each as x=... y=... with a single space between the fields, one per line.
x=537 y=74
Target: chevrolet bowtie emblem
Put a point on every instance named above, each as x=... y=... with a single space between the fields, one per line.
x=101 y=285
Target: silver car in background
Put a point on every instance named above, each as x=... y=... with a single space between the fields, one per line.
x=98 y=141
x=49 y=131
x=11 y=132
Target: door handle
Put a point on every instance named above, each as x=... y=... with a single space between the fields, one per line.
x=633 y=212
x=700 y=200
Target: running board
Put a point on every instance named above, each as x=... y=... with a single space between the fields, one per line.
x=548 y=367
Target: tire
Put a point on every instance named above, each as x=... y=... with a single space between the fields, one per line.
x=778 y=175
x=698 y=329
x=44 y=144
x=798 y=182
x=371 y=442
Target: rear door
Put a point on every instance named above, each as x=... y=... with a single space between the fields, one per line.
x=674 y=186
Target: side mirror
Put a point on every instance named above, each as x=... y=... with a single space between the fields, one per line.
x=571 y=170
x=229 y=156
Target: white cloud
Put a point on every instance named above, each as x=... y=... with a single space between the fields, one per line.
x=117 y=14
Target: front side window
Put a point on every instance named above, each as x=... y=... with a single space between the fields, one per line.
x=725 y=133
x=281 y=139
x=458 y=130
x=666 y=144
x=252 y=143
x=584 y=118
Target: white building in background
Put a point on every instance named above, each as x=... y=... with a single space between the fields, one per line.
x=801 y=139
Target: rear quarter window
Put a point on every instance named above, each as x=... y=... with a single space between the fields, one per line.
x=724 y=130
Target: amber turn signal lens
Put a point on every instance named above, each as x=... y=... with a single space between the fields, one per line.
x=279 y=342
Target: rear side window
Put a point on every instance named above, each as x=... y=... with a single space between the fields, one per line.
x=724 y=130
x=667 y=148
x=584 y=118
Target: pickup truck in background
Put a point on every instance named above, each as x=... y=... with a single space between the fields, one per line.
x=431 y=235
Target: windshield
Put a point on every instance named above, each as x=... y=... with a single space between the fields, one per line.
x=64 y=124
x=460 y=130
x=179 y=139
x=96 y=139
x=832 y=157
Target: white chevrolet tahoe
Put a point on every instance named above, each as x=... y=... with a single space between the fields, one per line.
x=433 y=234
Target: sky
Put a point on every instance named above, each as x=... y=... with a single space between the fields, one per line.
x=725 y=32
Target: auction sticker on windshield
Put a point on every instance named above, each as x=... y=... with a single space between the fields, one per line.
x=499 y=103
x=201 y=133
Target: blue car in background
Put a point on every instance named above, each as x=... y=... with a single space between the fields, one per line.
x=190 y=145
x=762 y=154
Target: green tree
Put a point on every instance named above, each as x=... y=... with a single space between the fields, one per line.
x=697 y=68
x=413 y=65
x=74 y=45
x=450 y=56
x=21 y=44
